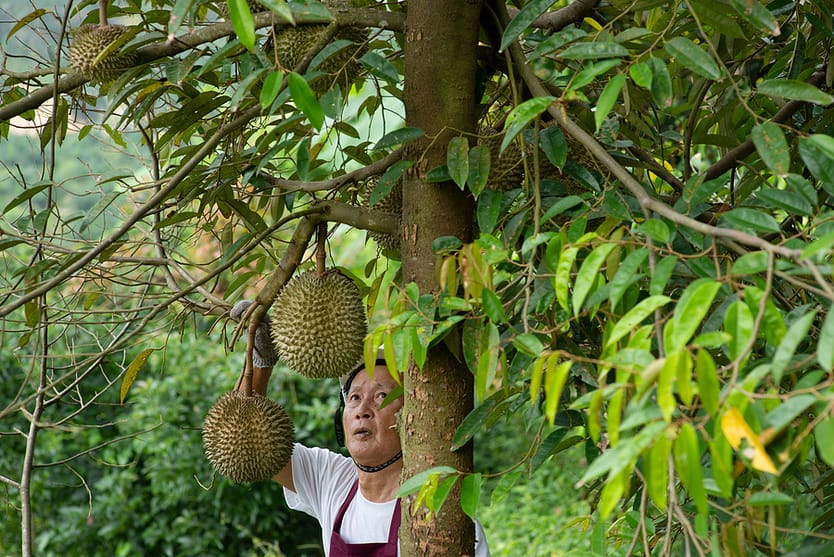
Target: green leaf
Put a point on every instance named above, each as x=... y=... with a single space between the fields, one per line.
x=561 y=280
x=693 y=57
x=473 y=422
x=772 y=146
x=797 y=332
x=590 y=72
x=520 y=116
x=611 y=493
x=625 y=274
x=388 y=180
x=132 y=371
x=523 y=19
x=619 y=456
x=817 y=152
x=488 y=211
x=825 y=348
x=757 y=15
x=751 y=219
x=555 y=378
x=768 y=498
x=587 y=276
x=641 y=74
x=690 y=310
x=398 y=137
x=655 y=229
x=751 y=263
x=594 y=50
x=657 y=473
x=554 y=146
x=687 y=458
x=457 y=160
x=470 y=495
x=493 y=307
x=26 y=196
x=305 y=99
x=380 y=66
x=281 y=8
x=242 y=23
x=661 y=85
x=608 y=98
x=635 y=316
x=488 y=360
x=824 y=439
x=24 y=21
x=793 y=203
x=785 y=413
x=271 y=87
x=442 y=492
x=706 y=374
x=794 y=90
x=738 y=322
x=415 y=482
x=479 y=165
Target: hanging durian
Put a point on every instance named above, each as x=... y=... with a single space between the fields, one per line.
x=289 y=44
x=88 y=42
x=391 y=203
x=247 y=438
x=506 y=171
x=318 y=324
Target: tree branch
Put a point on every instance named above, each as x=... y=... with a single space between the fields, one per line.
x=357 y=175
x=561 y=18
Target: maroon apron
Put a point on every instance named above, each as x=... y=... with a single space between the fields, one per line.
x=339 y=548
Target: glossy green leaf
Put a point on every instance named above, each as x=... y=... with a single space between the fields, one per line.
x=825 y=346
x=529 y=344
x=757 y=15
x=626 y=272
x=751 y=263
x=457 y=160
x=785 y=413
x=488 y=360
x=305 y=99
x=792 y=89
x=472 y=423
x=641 y=74
x=817 y=152
x=619 y=456
x=693 y=57
x=479 y=166
x=521 y=116
x=738 y=322
x=797 y=332
x=661 y=85
x=554 y=383
x=665 y=388
x=706 y=375
x=692 y=307
x=772 y=146
x=470 y=495
x=27 y=194
x=398 y=137
x=608 y=98
x=380 y=66
x=655 y=229
x=442 y=492
x=587 y=276
x=415 y=482
x=687 y=458
x=591 y=72
x=792 y=202
x=242 y=22
x=547 y=447
x=824 y=440
x=554 y=146
x=769 y=498
x=751 y=219
x=493 y=307
x=611 y=493
x=635 y=316
x=657 y=471
x=561 y=281
x=388 y=180
x=523 y=19
x=279 y=7
x=594 y=51
x=271 y=87
x=488 y=210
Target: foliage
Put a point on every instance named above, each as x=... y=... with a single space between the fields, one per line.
x=655 y=289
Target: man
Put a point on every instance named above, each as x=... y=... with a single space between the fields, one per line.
x=353 y=498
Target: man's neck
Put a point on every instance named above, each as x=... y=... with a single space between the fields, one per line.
x=381 y=486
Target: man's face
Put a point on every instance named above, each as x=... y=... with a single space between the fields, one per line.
x=370 y=431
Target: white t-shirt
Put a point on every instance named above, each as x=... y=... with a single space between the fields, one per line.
x=322 y=481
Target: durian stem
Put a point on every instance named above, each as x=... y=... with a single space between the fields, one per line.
x=248 y=368
x=102 y=13
x=321 y=238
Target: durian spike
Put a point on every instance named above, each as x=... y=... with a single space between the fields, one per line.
x=102 y=13
x=321 y=239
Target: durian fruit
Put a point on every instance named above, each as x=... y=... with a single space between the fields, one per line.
x=506 y=171
x=391 y=203
x=318 y=324
x=247 y=438
x=290 y=44
x=90 y=40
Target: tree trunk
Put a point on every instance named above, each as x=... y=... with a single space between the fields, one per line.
x=440 y=70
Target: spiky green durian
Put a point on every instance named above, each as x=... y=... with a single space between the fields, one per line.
x=391 y=203
x=88 y=41
x=247 y=438
x=318 y=324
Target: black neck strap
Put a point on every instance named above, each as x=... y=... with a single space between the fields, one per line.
x=379 y=467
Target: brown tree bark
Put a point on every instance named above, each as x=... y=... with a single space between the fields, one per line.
x=440 y=71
